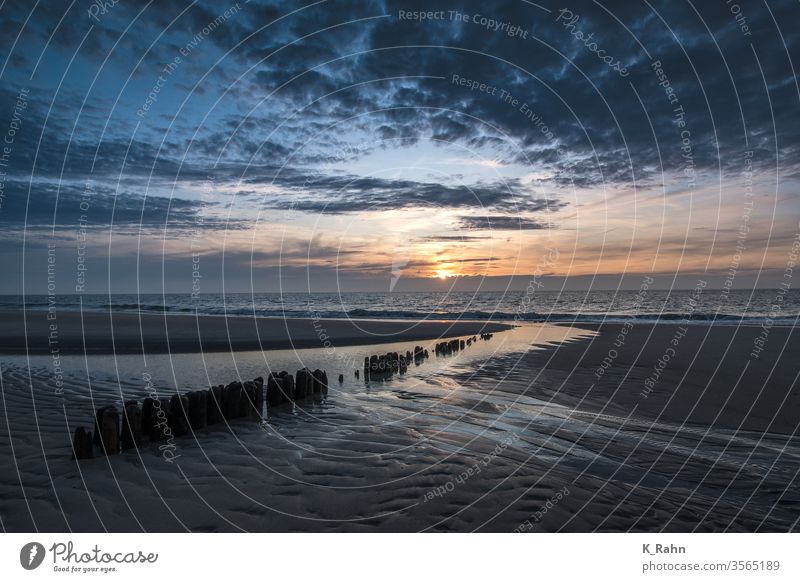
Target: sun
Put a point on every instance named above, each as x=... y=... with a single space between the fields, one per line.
x=443 y=273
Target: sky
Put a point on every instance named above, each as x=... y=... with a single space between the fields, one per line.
x=202 y=146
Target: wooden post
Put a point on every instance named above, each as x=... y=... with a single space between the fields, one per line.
x=131 y=426
x=82 y=444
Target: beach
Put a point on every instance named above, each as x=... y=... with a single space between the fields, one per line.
x=72 y=332
x=706 y=375
x=513 y=434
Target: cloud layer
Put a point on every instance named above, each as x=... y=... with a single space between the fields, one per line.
x=191 y=116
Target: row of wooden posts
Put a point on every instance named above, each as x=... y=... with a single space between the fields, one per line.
x=160 y=419
x=455 y=345
x=384 y=366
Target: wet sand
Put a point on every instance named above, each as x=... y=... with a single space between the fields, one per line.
x=705 y=377
x=502 y=439
x=127 y=333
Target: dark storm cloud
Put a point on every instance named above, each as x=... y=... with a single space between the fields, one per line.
x=70 y=206
x=500 y=223
x=602 y=128
x=346 y=194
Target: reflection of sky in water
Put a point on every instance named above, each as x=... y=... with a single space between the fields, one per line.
x=195 y=371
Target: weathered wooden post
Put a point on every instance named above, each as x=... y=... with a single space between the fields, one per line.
x=198 y=409
x=231 y=399
x=161 y=420
x=247 y=403
x=274 y=390
x=109 y=430
x=178 y=414
x=214 y=405
x=131 y=426
x=288 y=388
x=82 y=444
x=148 y=416
x=317 y=381
x=252 y=392
x=259 y=382
x=303 y=386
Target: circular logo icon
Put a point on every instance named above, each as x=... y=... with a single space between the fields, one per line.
x=31 y=555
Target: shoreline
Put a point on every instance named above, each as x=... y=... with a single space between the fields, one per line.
x=573 y=320
x=92 y=332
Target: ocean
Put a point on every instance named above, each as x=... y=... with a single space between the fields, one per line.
x=754 y=307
